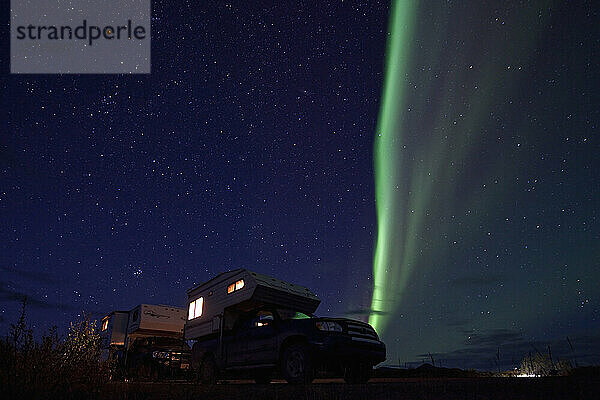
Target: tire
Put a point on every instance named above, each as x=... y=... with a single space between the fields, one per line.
x=208 y=370
x=358 y=373
x=296 y=366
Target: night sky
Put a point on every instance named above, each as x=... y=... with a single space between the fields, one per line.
x=251 y=145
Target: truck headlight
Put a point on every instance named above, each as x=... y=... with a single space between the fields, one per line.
x=328 y=326
x=161 y=354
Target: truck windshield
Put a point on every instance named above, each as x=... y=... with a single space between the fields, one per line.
x=291 y=314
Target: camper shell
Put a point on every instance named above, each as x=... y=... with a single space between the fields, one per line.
x=239 y=291
x=120 y=328
x=114 y=329
x=148 y=339
x=147 y=320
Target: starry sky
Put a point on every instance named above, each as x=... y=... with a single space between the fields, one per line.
x=251 y=144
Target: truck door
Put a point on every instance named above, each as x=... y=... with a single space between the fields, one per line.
x=236 y=347
x=262 y=339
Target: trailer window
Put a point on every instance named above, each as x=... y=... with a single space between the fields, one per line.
x=195 y=309
x=105 y=324
x=235 y=286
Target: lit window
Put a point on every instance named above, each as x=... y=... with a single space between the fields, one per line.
x=191 y=310
x=199 y=307
x=196 y=307
x=235 y=286
x=105 y=324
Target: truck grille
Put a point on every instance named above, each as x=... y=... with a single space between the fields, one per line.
x=361 y=331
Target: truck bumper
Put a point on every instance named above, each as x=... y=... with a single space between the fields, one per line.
x=345 y=348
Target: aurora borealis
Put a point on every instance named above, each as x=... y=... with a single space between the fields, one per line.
x=458 y=79
x=387 y=168
x=405 y=179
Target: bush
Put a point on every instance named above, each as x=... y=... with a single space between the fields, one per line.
x=541 y=365
x=51 y=368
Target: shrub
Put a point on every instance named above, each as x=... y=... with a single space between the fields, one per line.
x=541 y=365
x=51 y=367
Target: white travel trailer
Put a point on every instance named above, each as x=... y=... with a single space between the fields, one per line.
x=238 y=291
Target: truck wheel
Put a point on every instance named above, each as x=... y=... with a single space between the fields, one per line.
x=296 y=365
x=208 y=371
x=358 y=373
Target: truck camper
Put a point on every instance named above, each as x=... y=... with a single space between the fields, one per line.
x=244 y=323
x=147 y=341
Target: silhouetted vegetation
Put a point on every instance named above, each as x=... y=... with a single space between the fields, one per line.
x=51 y=367
x=542 y=365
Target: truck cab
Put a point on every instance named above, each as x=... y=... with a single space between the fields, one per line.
x=272 y=333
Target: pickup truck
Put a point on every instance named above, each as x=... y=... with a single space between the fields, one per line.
x=272 y=341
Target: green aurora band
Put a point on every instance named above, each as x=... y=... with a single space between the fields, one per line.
x=412 y=184
x=387 y=164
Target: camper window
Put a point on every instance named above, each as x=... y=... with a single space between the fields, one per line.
x=235 y=286
x=105 y=324
x=196 y=307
